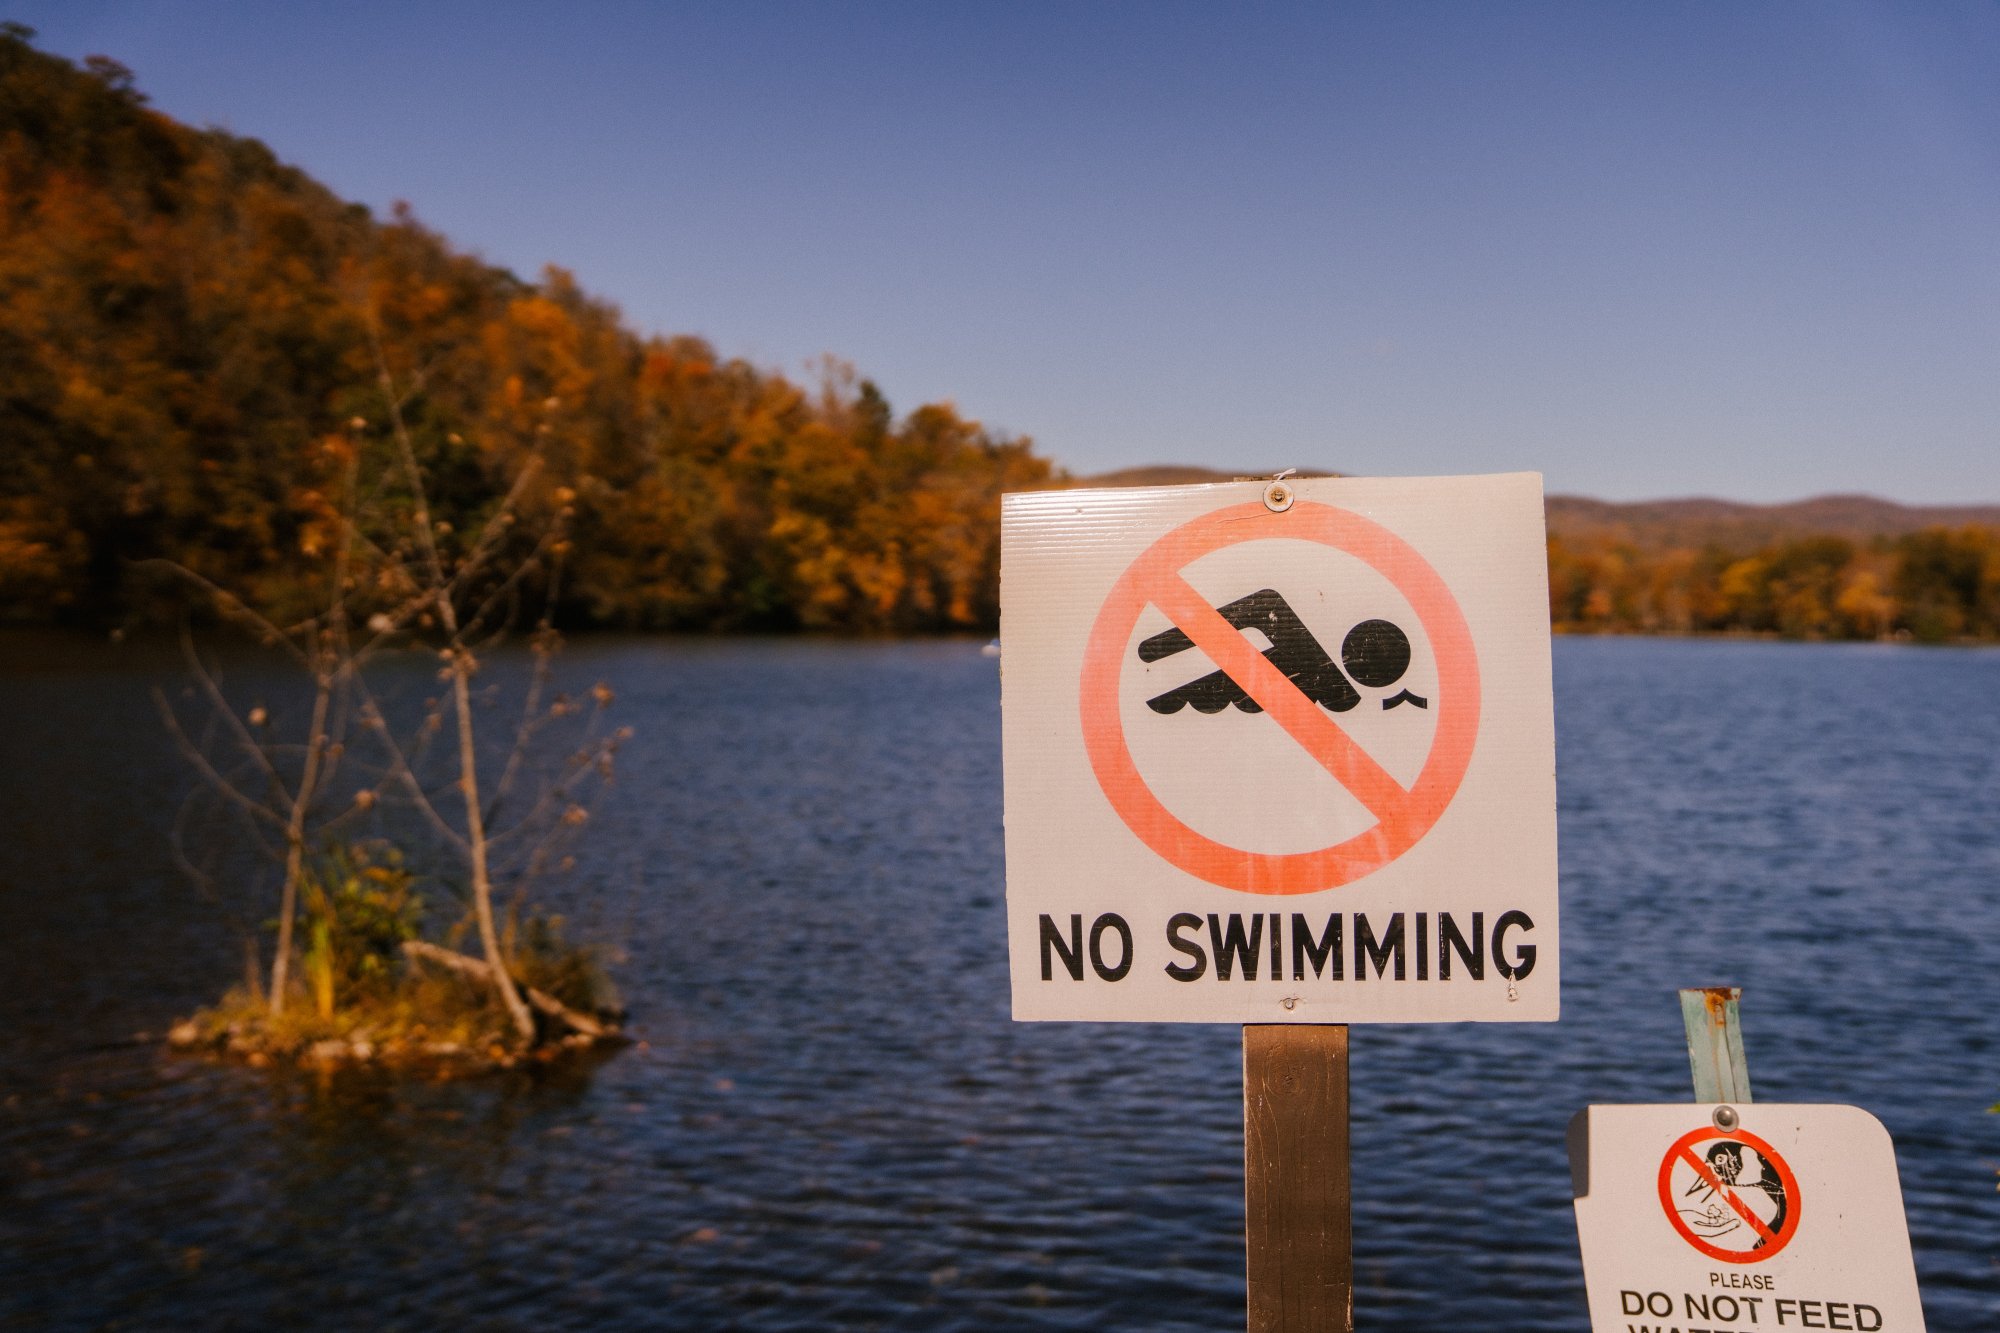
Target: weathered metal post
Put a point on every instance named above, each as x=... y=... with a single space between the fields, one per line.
x=1298 y=1233
x=1715 y=1044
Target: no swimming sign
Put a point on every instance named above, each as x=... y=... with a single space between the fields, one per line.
x=1280 y=753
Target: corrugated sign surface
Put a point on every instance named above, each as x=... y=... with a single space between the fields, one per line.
x=1280 y=764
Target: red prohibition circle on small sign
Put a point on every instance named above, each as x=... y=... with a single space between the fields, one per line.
x=1403 y=815
x=1758 y=1215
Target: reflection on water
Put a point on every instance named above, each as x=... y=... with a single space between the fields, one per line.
x=834 y=1124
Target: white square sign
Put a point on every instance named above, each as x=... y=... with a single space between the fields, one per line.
x=1771 y=1219
x=1280 y=753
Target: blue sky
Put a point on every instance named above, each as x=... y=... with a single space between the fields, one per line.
x=1649 y=250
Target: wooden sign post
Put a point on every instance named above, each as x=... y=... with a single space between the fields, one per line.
x=1298 y=1232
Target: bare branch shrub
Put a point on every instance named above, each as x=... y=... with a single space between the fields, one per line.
x=497 y=808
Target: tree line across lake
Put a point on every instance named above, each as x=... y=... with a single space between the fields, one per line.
x=194 y=336
x=1937 y=584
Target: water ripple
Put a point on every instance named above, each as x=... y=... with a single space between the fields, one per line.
x=833 y=1123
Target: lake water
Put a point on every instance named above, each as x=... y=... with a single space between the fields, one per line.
x=834 y=1124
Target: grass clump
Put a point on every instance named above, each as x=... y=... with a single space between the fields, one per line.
x=369 y=988
x=361 y=904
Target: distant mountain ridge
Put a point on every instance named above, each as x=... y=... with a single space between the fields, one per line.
x=1694 y=520
x=1702 y=520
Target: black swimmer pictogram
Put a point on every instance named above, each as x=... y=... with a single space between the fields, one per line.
x=1376 y=653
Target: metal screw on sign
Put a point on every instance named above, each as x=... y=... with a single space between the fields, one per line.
x=1726 y=1118
x=1278 y=496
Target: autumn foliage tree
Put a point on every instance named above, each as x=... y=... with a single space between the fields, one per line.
x=183 y=317
x=1934 y=585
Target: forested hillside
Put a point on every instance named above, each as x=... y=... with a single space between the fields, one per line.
x=1836 y=567
x=189 y=329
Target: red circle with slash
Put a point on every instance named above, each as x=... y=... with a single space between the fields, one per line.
x=1403 y=815
x=1770 y=1239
